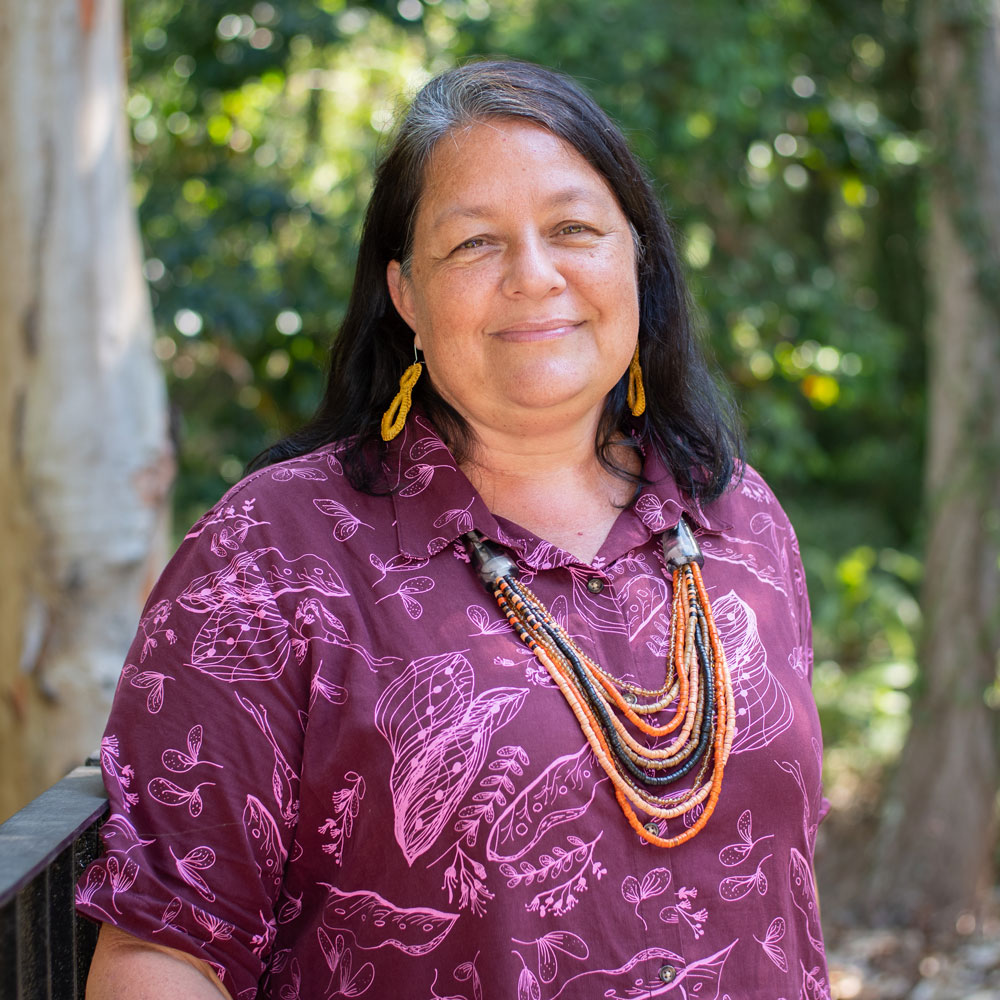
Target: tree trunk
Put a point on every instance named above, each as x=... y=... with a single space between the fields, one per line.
x=85 y=461
x=940 y=827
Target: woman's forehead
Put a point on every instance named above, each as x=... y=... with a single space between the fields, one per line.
x=473 y=169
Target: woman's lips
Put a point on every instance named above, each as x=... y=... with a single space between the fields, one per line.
x=536 y=330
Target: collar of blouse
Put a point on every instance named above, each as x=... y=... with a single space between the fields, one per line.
x=435 y=504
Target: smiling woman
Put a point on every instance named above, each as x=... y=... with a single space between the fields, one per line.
x=521 y=285
x=521 y=292
x=607 y=785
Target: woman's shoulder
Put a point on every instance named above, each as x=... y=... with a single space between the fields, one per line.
x=748 y=502
x=293 y=504
x=315 y=474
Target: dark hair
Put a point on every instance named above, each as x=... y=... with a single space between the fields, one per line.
x=691 y=424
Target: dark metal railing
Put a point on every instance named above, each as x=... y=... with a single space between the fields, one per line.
x=45 y=948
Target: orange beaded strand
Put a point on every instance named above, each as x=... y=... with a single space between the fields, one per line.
x=703 y=718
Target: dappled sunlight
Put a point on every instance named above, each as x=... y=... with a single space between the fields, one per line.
x=783 y=151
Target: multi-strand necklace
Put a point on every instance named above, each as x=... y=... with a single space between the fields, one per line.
x=697 y=684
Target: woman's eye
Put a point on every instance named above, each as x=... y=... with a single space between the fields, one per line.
x=573 y=229
x=472 y=244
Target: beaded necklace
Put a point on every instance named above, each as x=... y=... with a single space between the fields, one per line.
x=697 y=681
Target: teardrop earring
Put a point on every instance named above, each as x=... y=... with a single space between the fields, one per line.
x=395 y=417
x=636 y=395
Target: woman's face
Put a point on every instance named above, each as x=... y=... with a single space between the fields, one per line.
x=522 y=290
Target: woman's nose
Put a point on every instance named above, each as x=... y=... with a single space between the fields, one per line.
x=532 y=269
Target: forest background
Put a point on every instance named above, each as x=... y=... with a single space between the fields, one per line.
x=795 y=146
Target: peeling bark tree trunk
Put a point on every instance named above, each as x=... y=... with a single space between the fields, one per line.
x=940 y=830
x=85 y=463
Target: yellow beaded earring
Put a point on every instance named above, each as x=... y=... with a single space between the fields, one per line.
x=636 y=396
x=395 y=417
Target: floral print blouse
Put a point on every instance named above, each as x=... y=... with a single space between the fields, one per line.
x=334 y=771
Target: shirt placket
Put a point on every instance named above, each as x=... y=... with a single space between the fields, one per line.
x=613 y=650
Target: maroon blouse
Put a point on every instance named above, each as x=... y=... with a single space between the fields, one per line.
x=334 y=771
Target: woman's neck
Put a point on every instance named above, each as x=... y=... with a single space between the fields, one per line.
x=555 y=487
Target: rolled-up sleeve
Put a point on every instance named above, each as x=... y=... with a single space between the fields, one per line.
x=201 y=758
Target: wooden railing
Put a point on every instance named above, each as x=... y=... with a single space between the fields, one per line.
x=45 y=948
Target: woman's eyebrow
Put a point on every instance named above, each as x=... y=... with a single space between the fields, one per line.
x=565 y=196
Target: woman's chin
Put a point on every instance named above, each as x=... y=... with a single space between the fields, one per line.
x=550 y=412
x=553 y=386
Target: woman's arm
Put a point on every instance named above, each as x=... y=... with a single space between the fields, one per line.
x=126 y=966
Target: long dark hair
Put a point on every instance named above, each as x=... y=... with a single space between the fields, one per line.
x=691 y=424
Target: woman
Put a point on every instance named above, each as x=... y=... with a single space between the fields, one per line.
x=337 y=769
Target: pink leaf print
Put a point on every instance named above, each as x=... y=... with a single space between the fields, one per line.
x=415 y=585
x=467 y=972
x=195 y=861
x=484 y=626
x=775 y=932
x=290 y=991
x=397 y=564
x=421 y=476
x=282 y=475
x=449 y=515
x=345 y=523
x=735 y=853
x=439 y=734
x=331 y=952
x=216 y=927
x=220 y=971
x=180 y=762
x=284 y=779
x=800 y=882
x=652 y=512
x=630 y=890
x=169 y=794
x=339 y=960
x=560 y=611
x=225 y=540
x=654 y=883
x=354 y=986
x=333 y=693
x=154 y=681
x=314 y=621
x=120 y=835
x=565 y=941
x=243 y=641
x=290 y=909
x=461 y=517
x=122 y=877
x=561 y=793
x=170 y=913
x=424 y=446
x=262 y=942
x=156 y=616
x=266 y=839
x=86 y=889
x=814 y=986
x=737 y=886
x=374 y=922
x=527 y=986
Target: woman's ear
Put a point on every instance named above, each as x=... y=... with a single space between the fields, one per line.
x=401 y=292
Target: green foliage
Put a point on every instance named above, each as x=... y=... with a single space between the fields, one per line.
x=785 y=139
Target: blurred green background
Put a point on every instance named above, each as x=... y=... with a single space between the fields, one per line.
x=784 y=136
